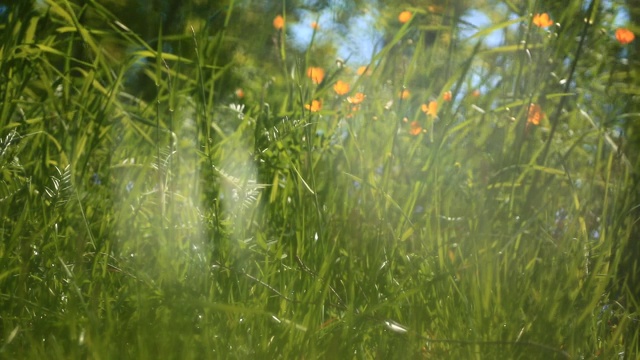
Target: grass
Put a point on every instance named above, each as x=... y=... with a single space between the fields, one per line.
x=151 y=221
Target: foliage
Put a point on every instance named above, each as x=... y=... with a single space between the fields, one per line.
x=201 y=195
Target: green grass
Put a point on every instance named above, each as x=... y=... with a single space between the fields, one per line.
x=156 y=221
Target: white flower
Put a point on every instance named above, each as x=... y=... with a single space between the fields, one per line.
x=239 y=108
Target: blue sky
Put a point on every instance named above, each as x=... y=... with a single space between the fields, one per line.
x=358 y=41
x=357 y=50
x=362 y=37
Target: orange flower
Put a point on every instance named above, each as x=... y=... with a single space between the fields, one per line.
x=446 y=96
x=416 y=129
x=278 y=22
x=316 y=74
x=239 y=93
x=542 y=20
x=352 y=111
x=364 y=70
x=315 y=106
x=314 y=25
x=475 y=93
x=624 y=36
x=405 y=94
x=357 y=98
x=405 y=16
x=535 y=114
x=431 y=109
x=341 y=87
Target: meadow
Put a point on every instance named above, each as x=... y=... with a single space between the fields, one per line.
x=204 y=193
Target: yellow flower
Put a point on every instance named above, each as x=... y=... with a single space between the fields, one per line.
x=405 y=94
x=416 y=129
x=431 y=109
x=315 y=106
x=535 y=114
x=316 y=74
x=405 y=16
x=278 y=22
x=446 y=96
x=624 y=36
x=357 y=98
x=542 y=20
x=341 y=87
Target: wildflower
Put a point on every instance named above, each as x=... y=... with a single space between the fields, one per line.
x=354 y=109
x=364 y=70
x=316 y=74
x=341 y=87
x=416 y=129
x=404 y=16
x=278 y=22
x=314 y=25
x=535 y=114
x=405 y=94
x=238 y=108
x=315 y=106
x=239 y=93
x=624 y=36
x=357 y=98
x=431 y=109
x=96 y=179
x=446 y=96
x=542 y=20
x=475 y=93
